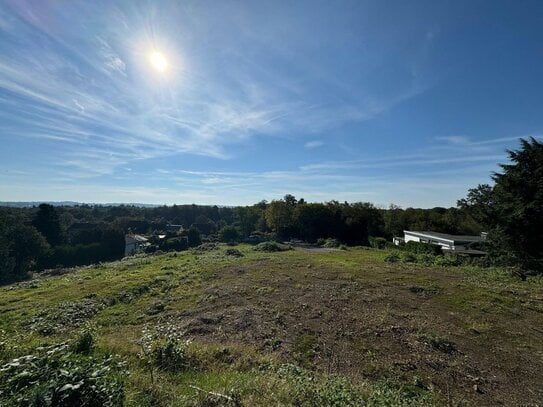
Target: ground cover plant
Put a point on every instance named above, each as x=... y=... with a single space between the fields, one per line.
x=299 y=327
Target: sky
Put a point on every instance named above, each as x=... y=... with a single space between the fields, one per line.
x=232 y=102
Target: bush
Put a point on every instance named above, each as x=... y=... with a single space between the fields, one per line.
x=423 y=248
x=270 y=247
x=233 y=252
x=168 y=353
x=228 y=234
x=176 y=243
x=426 y=259
x=377 y=242
x=84 y=342
x=392 y=257
x=447 y=261
x=331 y=243
x=57 y=377
x=408 y=257
x=392 y=246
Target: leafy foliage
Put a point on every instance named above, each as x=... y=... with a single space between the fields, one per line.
x=166 y=352
x=423 y=248
x=270 y=247
x=228 y=234
x=54 y=376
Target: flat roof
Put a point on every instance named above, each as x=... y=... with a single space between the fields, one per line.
x=445 y=236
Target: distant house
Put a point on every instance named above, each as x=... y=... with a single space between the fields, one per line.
x=134 y=243
x=462 y=244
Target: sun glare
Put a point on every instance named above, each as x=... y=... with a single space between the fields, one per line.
x=158 y=61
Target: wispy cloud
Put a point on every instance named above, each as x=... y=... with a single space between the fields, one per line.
x=98 y=95
x=313 y=144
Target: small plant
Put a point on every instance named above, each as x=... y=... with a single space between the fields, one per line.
x=305 y=349
x=439 y=343
x=166 y=352
x=85 y=341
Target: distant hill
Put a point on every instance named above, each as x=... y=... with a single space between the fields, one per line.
x=71 y=203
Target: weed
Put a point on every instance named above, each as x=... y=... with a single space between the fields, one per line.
x=305 y=349
x=439 y=343
x=85 y=341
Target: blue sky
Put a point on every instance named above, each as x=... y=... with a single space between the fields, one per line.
x=405 y=102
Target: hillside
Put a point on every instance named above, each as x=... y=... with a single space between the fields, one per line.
x=296 y=327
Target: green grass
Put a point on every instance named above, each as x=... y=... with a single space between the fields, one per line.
x=140 y=292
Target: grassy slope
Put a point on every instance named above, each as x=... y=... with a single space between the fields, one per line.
x=396 y=332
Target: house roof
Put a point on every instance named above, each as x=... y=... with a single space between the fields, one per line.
x=135 y=238
x=445 y=236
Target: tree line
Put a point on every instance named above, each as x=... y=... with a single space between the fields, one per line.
x=511 y=211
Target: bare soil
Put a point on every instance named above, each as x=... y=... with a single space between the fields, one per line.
x=428 y=327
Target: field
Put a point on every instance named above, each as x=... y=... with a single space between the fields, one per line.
x=297 y=327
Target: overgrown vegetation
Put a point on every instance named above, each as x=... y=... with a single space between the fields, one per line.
x=269 y=328
x=56 y=376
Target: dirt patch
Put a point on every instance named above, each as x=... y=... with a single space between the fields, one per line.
x=369 y=325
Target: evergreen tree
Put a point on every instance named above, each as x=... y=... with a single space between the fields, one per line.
x=47 y=222
x=513 y=208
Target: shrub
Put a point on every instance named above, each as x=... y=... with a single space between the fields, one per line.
x=175 y=243
x=407 y=257
x=270 y=247
x=228 y=234
x=392 y=246
x=331 y=243
x=84 y=342
x=392 y=257
x=168 y=353
x=233 y=252
x=426 y=259
x=205 y=247
x=447 y=261
x=377 y=242
x=423 y=248
x=54 y=376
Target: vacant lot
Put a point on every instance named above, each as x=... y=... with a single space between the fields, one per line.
x=297 y=327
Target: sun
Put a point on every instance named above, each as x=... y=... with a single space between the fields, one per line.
x=158 y=61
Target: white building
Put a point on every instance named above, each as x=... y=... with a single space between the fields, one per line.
x=456 y=243
x=134 y=243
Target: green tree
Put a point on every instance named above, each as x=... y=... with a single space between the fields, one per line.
x=47 y=222
x=513 y=208
x=26 y=247
x=194 y=237
x=280 y=218
x=228 y=234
